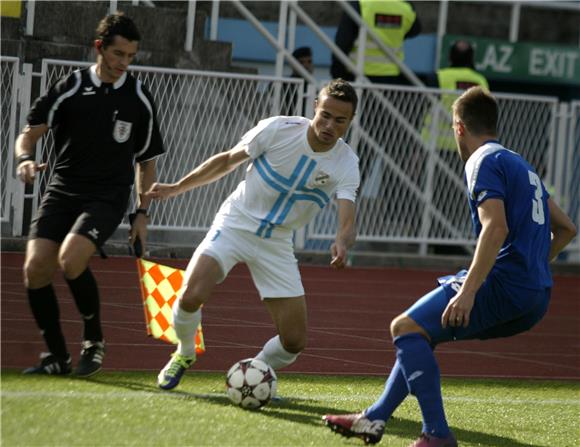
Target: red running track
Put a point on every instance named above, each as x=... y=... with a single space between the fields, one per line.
x=349 y=313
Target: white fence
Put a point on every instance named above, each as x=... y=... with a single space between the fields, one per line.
x=571 y=170
x=9 y=72
x=200 y=113
x=14 y=98
x=412 y=189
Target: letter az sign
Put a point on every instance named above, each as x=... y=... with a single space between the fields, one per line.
x=499 y=59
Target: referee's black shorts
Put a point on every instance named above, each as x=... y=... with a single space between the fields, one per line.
x=60 y=214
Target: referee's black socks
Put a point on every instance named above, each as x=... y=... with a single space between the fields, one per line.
x=86 y=295
x=46 y=313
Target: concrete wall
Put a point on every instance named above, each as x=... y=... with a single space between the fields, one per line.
x=65 y=30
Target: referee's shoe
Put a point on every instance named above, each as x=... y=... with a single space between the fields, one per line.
x=52 y=365
x=91 y=360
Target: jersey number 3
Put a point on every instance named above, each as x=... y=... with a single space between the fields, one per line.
x=537 y=204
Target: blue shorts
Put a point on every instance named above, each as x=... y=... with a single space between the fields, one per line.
x=500 y=310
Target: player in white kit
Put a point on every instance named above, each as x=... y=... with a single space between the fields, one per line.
x=296 y=167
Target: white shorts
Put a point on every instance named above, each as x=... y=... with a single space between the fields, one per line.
x=271 y=262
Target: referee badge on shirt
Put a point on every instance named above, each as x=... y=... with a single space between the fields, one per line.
x=122 y=131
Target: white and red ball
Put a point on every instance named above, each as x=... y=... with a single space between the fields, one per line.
x=251 y=383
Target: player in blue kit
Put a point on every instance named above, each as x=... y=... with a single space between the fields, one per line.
x=506 y=290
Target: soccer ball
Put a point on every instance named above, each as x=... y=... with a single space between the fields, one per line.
x=251 y=383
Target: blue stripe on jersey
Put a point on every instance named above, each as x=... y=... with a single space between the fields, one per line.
x=280 y=188
x=267 y=221
x=291 y=199
x=267 y=179
x=285 y=181
x=315 y=199
x=287 y=188
x=317 y=193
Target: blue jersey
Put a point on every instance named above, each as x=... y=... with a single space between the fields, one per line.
x=493 y=171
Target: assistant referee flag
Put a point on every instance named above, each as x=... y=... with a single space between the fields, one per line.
x=159 y=287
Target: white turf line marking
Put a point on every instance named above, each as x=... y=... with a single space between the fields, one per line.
x=311 y=397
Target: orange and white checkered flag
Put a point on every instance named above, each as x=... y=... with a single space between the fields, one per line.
x=159 y=287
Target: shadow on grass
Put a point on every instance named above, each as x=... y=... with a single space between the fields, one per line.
x=139 y=386
x=406 y=428
x=309 y=412
x=305 y=411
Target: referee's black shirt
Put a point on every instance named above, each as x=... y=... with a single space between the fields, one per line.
x=100 y=129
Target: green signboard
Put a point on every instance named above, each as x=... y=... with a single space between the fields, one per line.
x=499 y=59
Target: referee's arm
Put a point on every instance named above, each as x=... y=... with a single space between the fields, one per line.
x=144 y=178
x=26 y=166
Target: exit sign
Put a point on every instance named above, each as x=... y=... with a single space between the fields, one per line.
x=499 y=59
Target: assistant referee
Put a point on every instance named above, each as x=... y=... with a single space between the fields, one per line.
x=103 y=121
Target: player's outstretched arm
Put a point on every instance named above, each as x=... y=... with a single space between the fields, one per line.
x=209 y=171
x=346 y=233
x=563 y=229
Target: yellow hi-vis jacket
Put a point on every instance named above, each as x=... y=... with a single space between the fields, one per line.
x=460 y=78
x=452 y=78
x=390 y=20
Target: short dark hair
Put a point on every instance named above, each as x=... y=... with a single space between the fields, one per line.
x=341 y=90
x=117 y=24
x=478 y=111
x=461 y=54
x=302 y=52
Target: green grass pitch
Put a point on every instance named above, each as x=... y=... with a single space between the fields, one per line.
x=127 y=409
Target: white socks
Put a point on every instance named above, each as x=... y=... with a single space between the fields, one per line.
x=274 y=354
x=185 y=325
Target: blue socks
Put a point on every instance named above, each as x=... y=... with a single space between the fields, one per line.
x=415 y=372
x=423 y=380
x=394 y=394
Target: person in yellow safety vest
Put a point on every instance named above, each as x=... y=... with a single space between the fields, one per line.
x=394 y=21
x=460 y=75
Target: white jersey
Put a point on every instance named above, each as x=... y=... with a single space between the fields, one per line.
x=287 y=183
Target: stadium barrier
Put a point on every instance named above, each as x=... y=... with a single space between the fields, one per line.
x=412 y=191
x=9 y=68
x=571 y=172
x=13 y=98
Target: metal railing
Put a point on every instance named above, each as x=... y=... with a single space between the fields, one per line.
x=571 y=174
x=200 y=113
x=515 y=15
x=411 y=192
x=9 y=67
